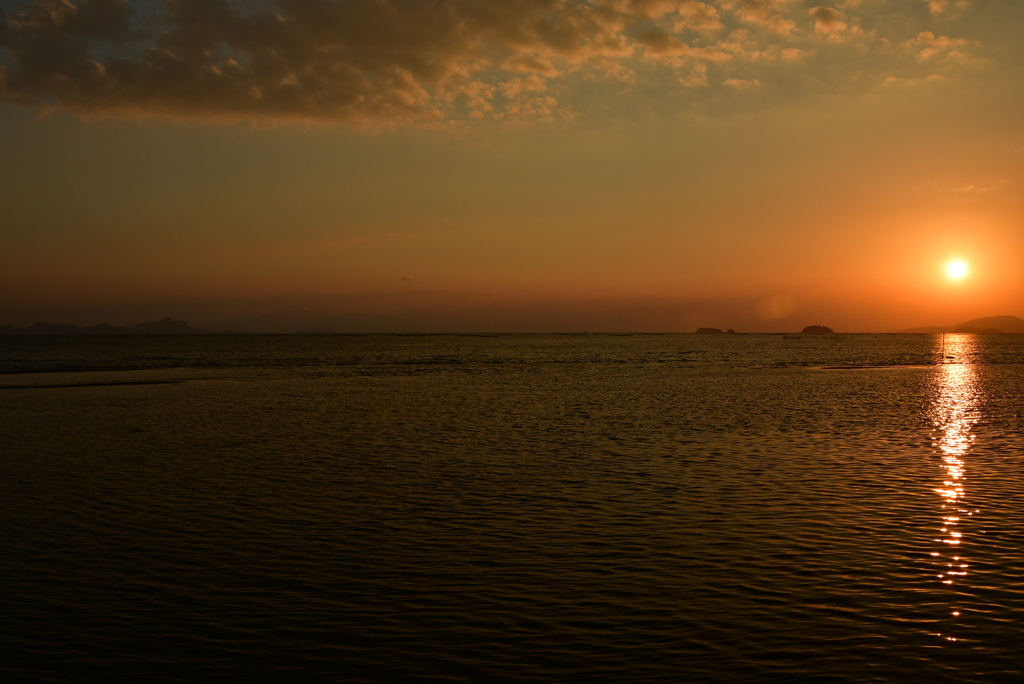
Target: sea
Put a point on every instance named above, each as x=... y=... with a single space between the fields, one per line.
x=512 y=508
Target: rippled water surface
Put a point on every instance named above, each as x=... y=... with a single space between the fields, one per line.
x=522 y=508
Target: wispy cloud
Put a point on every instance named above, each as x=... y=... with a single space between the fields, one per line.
x=989 y=186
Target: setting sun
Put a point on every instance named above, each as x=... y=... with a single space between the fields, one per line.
x=956 y=270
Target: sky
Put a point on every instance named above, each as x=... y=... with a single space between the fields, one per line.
x=514 y=165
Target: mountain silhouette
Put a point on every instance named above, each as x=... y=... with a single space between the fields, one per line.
x=166 y=326
x=1006 y=324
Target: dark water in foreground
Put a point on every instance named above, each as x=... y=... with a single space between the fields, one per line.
x=512 y=509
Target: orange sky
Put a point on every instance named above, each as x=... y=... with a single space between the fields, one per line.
x=515 y=165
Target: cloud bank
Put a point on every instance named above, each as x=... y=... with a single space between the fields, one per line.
x=450 y=62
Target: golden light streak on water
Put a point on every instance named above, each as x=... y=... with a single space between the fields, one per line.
x=954 y=412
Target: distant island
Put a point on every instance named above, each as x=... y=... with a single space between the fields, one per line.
x=166 y=326
x=818 y=330
x=992 y=325
x=709 y=331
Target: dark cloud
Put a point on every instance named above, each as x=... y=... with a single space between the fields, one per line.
x=828 y=20
x=374 y=61
x=303 y=58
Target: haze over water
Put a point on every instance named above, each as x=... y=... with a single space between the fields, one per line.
x=516 y=508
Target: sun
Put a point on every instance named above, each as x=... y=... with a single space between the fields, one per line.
x=956 y=270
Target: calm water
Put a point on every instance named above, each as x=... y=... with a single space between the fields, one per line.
x=512 y=509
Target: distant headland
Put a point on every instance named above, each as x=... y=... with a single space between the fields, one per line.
x=984 y=326
x=166 y=326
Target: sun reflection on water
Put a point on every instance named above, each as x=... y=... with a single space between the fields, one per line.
x=954 y=412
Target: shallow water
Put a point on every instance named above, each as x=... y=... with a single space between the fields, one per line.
x=516 y=508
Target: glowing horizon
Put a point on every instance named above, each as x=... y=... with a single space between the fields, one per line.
x=776 y=166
